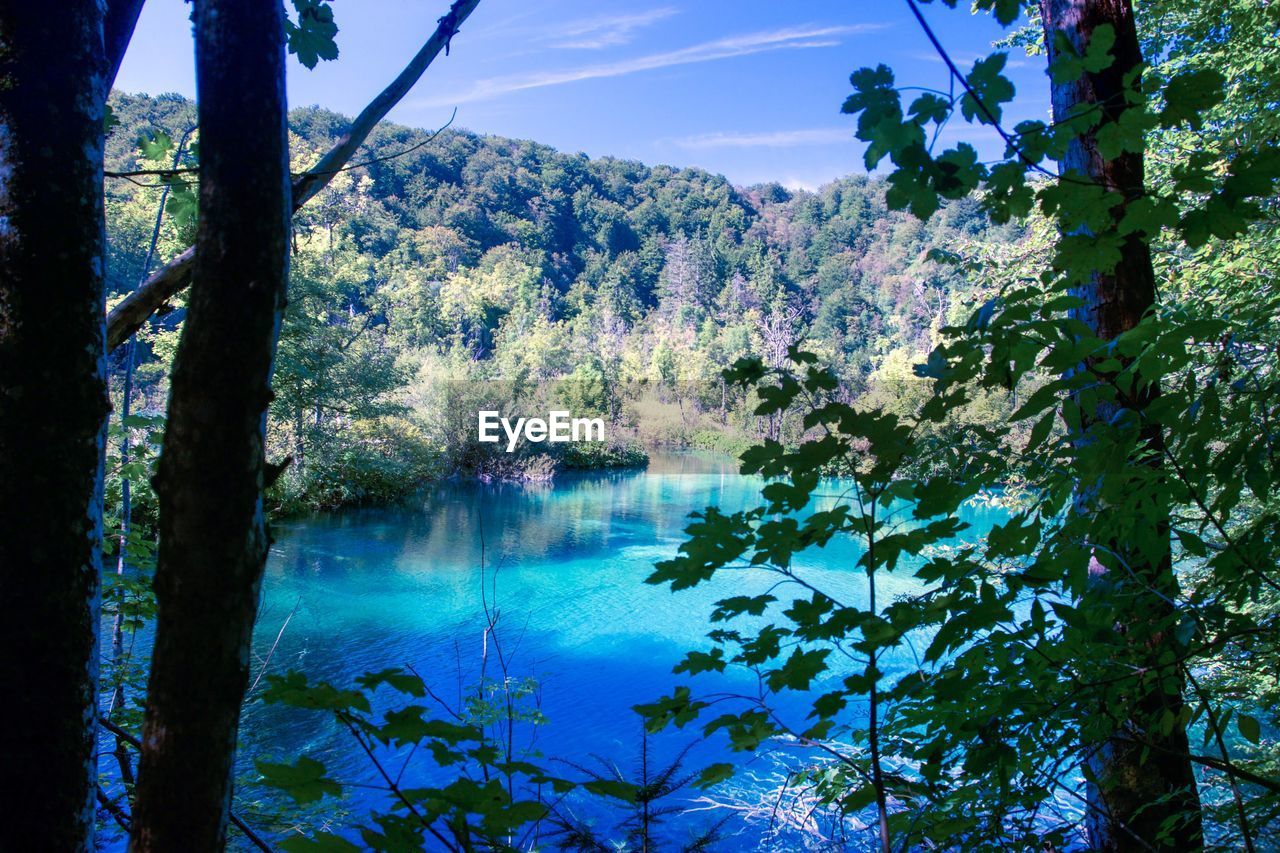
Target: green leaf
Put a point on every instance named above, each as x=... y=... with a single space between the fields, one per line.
x=799 y=670
x=1190 y=94
x=736 y=605
x=1041 y=431
x=182 y=205
x=698 y=662
x=1249 y=728
x=1070 y=65
x=395 y=678
x=1014 y=538
x=614 y=788
x=990 y=87
x=714 y=774
x=303 y=780
x=312 y=38
x=155 y=145
x=746 y=731
x=1005 y=11
x=679 y=709
x=293 y=689
x=400 y=834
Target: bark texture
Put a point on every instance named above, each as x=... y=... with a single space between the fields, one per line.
x=1145 y=793
x=213 y=537
x=53 y=407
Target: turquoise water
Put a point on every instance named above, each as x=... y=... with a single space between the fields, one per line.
x=564 y=566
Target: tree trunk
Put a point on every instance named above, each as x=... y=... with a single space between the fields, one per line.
x=53 y=407
x=1139 y=797
x=213 y=538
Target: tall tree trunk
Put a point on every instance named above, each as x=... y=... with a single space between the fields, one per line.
x=53 y=407
x=213 y=538
x=1143 y=791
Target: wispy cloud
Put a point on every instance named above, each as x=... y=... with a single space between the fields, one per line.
x=794 y=38
x=965 y=60
x=610 y=31
x=770 y=139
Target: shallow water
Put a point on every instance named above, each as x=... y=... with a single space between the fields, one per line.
x=563 y=565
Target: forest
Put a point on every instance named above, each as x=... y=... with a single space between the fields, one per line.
x=938 y=508
x=475 y=262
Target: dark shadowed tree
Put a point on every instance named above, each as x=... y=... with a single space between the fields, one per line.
x=213 y=537
x=1142 y=781
x=53 y=406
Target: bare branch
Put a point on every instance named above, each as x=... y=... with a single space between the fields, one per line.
x=129 y=315
x=305 y=188
x=254 y=838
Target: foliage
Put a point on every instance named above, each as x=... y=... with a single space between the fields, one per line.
x=486 y=259
x=492 y=801
x=467 y=776
x=646 y=795
x=311 y=37
x=1039 y=640
x=479 y=259
x=603 y=455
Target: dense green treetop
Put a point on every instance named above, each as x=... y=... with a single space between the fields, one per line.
x=474 y=244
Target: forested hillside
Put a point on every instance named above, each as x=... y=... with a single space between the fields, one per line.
x=999 y=567
x=453 y=256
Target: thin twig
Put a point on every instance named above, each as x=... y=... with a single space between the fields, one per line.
x=1215 y=726
x=239 y=824
x=113 y=809
x=964 y=82
x=262 y=670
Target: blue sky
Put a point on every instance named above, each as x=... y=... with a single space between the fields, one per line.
x=748 y=88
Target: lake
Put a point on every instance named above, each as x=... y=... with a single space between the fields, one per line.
x=564 y=565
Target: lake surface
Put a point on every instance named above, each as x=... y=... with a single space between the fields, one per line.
x=564 y=565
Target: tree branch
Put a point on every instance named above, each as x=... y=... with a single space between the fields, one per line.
x=958 y=76
x=113 y=809
x=117 y=32
x=129 y=315
x=305 y=188
x=254 y=838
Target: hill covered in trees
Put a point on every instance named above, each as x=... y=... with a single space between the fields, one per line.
x=1027 y=602
x=455 y=256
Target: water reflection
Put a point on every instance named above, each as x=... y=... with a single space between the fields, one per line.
x=564 y=564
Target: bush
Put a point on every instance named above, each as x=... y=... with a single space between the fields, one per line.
x=378 y=465
x=593 y=456
x=727 y=441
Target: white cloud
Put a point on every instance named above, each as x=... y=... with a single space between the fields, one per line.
x=770 y=139
x=612 y=31
x=804 y=184
x=794 y=38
